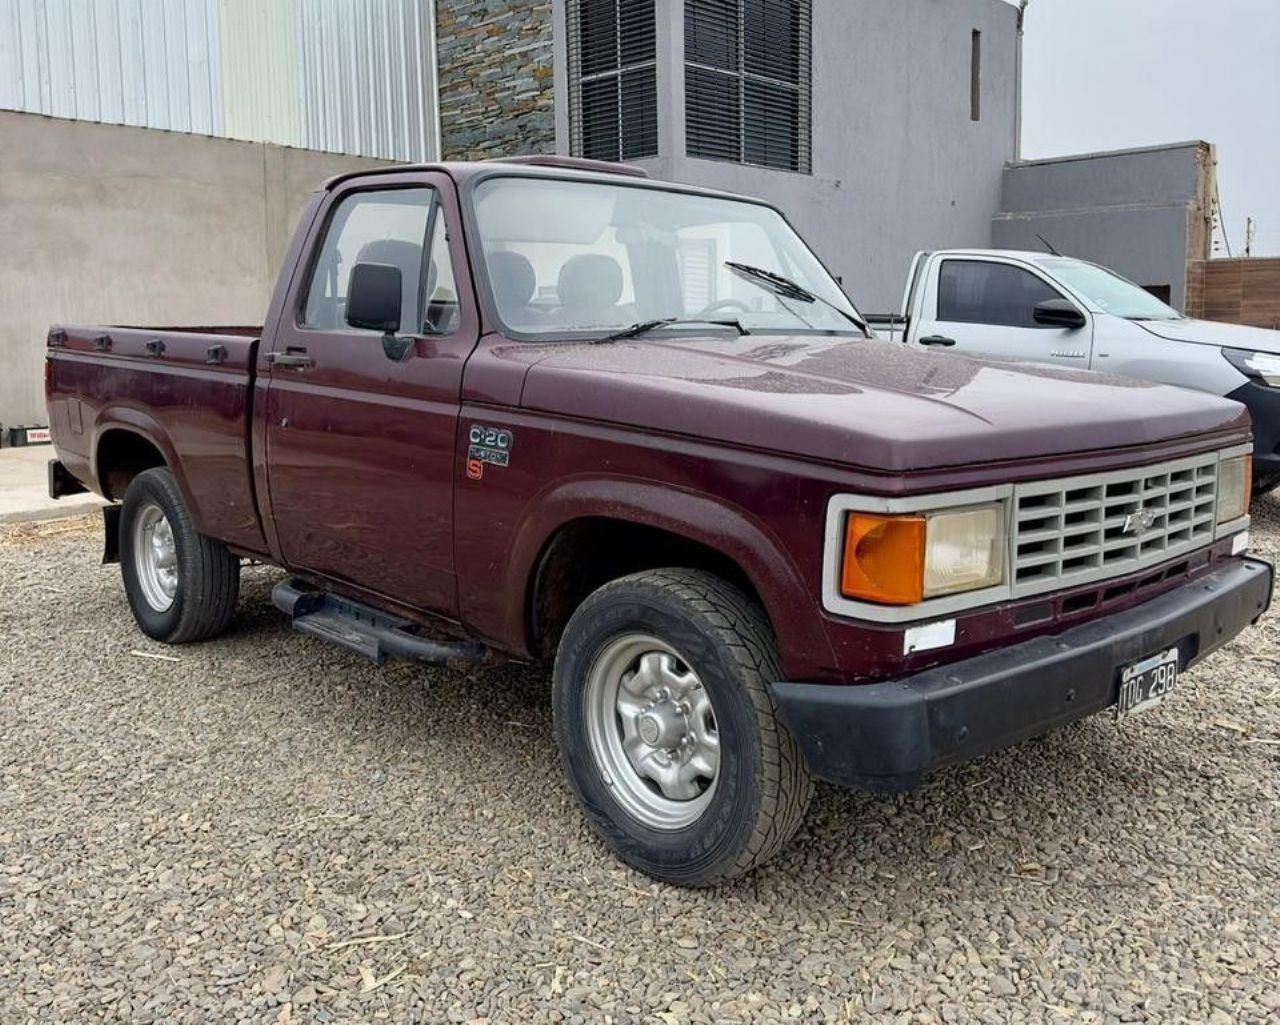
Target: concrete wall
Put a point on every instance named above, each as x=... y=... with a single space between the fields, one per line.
x=496 y=78
x=1145 y=213
x=107 y=224
x=897 y=163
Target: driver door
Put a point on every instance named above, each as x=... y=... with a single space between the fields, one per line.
x=360 y=446
x=987 y=307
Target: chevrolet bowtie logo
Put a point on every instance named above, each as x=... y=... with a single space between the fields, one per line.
x=1138 y=522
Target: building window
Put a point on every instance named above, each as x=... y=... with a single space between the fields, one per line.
x=747 y=81
x=975 y=77
x=613 y=86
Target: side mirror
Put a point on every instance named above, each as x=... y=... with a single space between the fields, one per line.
x=373 y=297
x=1059 y=313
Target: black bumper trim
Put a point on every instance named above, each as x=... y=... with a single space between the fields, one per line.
x=888 y=736
x=1263 y=403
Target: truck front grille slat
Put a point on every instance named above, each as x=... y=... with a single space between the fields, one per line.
x=1099 y=526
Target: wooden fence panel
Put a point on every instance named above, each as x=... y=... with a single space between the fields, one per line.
x=1236 y=291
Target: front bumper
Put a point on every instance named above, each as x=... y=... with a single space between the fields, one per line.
x=888 y=736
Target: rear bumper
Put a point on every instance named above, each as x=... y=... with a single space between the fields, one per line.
x=888 y=736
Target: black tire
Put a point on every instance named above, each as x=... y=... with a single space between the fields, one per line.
x=762 y=786
x=208 y=575
x=1265 y=483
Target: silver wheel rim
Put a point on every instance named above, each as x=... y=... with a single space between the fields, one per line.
x=155 y=557
x=652 y=730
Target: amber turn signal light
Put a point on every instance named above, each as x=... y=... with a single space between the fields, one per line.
x=883 y=558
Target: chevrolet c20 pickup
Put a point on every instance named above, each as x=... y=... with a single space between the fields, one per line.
x=549 y=409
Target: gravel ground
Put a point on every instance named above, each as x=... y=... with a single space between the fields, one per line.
x=263 y=828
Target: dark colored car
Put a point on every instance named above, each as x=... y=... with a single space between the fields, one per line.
x=553 y=411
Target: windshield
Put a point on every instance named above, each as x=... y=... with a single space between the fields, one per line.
x=1109 y=292
x=572 y=256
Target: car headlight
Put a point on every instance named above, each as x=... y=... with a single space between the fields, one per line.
x=901 y=560
x=1263 y=367
x=1235 y=486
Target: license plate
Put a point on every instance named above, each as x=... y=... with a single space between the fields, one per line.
x=1147 y=683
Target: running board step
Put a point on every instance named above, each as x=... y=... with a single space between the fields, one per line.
x=363 y=629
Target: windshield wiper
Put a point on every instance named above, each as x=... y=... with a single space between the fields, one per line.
x=785 y=288
x=645 y=326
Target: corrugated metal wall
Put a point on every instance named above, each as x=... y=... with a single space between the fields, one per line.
x=260 y=83
x=347 y=76
x=368 y=77
x=133 y=62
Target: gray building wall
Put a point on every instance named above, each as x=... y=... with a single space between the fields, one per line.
x=1146 y=213
x=107 y=224
x=496 y=72
x=897 y=163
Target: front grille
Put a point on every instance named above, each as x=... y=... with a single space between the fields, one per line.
x=1079 y=529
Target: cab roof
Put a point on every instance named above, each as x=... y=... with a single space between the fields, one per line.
x=555 y=166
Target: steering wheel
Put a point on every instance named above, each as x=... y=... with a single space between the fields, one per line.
x=722 y=304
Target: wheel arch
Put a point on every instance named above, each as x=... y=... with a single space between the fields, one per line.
x=590 y=532
x=127 y=442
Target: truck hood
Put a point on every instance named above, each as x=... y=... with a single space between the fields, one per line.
x=869 y=404
x=1212 y=332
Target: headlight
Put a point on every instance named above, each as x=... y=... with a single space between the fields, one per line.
x=1235 y=485
x=964 y=550
x=1262 y=367
x=901 y=560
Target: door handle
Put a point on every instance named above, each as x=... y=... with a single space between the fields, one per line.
x=937 y=340
x=293 y=357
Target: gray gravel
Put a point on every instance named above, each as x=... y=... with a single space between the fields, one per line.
x=268 y=829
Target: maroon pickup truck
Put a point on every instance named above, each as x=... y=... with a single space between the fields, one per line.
x=553 y=410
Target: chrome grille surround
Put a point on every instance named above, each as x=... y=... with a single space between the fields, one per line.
x=1060 y=533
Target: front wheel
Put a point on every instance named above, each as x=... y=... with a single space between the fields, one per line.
x=181 y=585
x=667 y=731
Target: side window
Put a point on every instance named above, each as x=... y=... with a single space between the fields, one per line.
x=978 y=292
x=441 y=315
x=386 y=226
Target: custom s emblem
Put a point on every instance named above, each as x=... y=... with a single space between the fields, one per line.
x=1138 y=522
x=490 y=445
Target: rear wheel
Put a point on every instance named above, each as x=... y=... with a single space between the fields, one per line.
x=181 y=585
x=667 y=731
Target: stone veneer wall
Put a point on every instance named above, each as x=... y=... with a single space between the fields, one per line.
x=497 y=94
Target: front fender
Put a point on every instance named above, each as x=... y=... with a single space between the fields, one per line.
x=721 y=526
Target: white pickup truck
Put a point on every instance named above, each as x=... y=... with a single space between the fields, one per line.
x=1057 y=309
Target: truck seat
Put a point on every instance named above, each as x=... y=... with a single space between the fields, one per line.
x=514 y=283
x=589 y=287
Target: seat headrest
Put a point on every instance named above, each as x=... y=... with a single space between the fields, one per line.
x=513 y=278
x=405 y=255
x=590 y=280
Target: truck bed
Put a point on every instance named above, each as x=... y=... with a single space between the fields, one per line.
x=188 y=390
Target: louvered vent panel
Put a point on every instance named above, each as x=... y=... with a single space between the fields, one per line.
x=613 y=110
x=747 y=81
